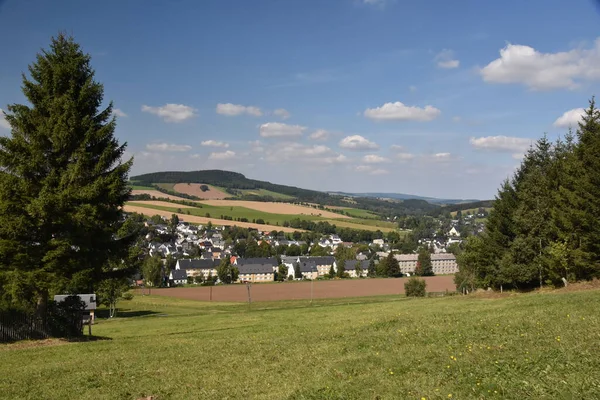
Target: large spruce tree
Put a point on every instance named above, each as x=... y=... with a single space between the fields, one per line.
x=62 y=181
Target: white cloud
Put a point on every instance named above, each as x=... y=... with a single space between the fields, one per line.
x=446 y=59
x=311 y=154
x=172 y=112
x=405 y=156
x=397 y=147
x=226 y=155
x=282 y=113
x=3 y=122
x=374 y=159
x=280 y=130
x=570 y=118
x=168 y=147
x=544 y=71
x=371 y=170
x=399 y=112
x=214 y=143
x=319 y=134
x=505 y=144
x=119 y=113
x=357 y=142
x=232 y=110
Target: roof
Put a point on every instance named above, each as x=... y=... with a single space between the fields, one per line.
x=446 y=256
x=271 y=261
x=289 y=259
x=89 y=299
x=351 y=265
x=255 y=269
x=326 y=260
x=308 y=266
x=178 y=274
x=198 y=263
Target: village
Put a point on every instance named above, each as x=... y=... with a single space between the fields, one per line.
x=195 y=252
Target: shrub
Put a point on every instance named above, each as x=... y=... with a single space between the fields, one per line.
x=127 y=296
x=415 y=287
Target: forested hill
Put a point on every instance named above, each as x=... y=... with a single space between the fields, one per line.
x=234 y=180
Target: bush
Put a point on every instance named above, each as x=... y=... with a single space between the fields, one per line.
x=127 y=296
x=415 y=287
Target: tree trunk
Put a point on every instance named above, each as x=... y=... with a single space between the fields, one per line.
x=42 y=303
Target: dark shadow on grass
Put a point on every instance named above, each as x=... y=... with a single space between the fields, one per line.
x=87 y=338
x=104 y=314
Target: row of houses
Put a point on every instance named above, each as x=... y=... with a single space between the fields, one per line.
x=443 y=263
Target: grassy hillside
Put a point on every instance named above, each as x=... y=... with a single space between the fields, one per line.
x=238 y=182
x=523 y=346
x=270 y=218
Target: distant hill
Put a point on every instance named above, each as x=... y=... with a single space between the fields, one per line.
x=402 y=196
x=233 y=181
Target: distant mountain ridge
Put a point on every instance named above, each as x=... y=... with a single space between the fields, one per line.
x=403 y=196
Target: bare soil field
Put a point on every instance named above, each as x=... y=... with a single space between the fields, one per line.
x=203 y=220
x=157 y=194
x=275 y=208
x=194 y=190
x=302 y=290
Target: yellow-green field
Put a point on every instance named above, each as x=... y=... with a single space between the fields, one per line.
x=528 y=346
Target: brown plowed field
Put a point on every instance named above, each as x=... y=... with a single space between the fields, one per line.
x=301 y=290
x=203 y=220
x=194 y=190
x=275 y=208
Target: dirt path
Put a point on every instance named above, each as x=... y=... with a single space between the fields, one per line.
x=203 y=220
x=302 y=290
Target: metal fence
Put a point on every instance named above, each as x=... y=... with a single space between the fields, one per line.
x=17 y=325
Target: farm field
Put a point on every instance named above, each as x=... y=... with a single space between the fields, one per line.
x=157 y=194
x=302 y=290
x=149 y=207
x=167 y=186
x=149 y=211
x=265 y=192
x=194 y=190
x=538 y=345
x=275 y=208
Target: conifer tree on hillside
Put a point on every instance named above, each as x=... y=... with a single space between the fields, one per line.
x=545 y=223
x=62 y=180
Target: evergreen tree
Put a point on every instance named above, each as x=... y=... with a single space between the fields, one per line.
x=371 y=272
x=331 y=272
x=297 y=272
x=393 y=266
x=341 y=268
x=424 y=267
x=62 y=181
x=227 y=272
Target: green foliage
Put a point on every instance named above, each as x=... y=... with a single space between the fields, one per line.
x=297 y=272
x=152 y=271
x=543 y=226
x=109 y=291
x=62 y=181
x=392 y=266
x=341 y=268
x=227 y=272
x=331 y=273
x=282 y=271
x=415 y=287
x=372 y=272
x=424 y=267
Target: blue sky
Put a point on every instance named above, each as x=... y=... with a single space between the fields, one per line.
x=434 y=98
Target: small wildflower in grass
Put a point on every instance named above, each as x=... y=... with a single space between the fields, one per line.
x=449 y=395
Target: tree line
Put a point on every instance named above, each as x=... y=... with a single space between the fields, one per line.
x=545 y=224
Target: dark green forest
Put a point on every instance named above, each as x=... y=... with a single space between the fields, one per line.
x=544 y=228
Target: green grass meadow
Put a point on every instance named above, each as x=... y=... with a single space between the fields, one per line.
x=539 y=345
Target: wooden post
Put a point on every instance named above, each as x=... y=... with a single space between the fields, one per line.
x=249 y=297
x=210 y=293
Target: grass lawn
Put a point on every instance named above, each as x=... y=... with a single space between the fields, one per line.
x=540 y=345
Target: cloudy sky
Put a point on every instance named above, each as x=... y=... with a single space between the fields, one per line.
x=434 y=98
